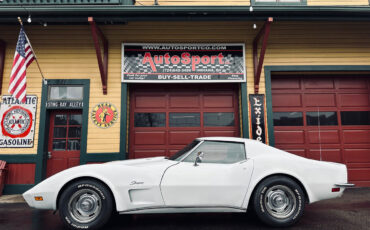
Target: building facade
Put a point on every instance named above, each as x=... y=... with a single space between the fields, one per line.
x=139 y=79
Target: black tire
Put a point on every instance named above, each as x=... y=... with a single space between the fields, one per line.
x=85 y=204
x=278 y=201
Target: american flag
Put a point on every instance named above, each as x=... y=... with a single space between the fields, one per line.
x=23 y=57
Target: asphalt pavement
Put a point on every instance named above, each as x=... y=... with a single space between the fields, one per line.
x=350 y=212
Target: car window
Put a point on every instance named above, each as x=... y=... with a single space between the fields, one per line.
x=219 y=152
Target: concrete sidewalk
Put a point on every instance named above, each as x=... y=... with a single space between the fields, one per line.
x=7 y=199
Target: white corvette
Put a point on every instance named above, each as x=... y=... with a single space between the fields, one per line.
x=215 y=174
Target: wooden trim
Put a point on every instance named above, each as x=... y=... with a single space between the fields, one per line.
x=244 y=108
x=103 y=64
x=309 y=68
x=123 y=128
x=258 y=63
x=2 y=62
x=42 y=149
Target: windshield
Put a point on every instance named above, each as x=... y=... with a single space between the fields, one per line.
x=186 y=149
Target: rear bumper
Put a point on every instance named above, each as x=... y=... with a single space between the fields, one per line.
x=345 y=185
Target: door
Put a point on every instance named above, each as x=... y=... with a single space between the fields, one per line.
x=166 y=117
x=325 y=117
x=64 y=140
x=221 y=179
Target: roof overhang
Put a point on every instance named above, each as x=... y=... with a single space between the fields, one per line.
x=122 y=14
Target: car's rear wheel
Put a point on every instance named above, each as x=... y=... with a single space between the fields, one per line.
x=85 y=204
x=279 y=201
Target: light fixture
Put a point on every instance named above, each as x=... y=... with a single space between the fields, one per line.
x=254 y=26
x=29 y=20
x=251 y=9
x=45 y=24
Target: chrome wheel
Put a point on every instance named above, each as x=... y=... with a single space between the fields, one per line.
x=280 y=201
x=84 y=205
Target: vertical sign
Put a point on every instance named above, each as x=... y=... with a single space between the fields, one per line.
x=17 y=122
x=257 y=103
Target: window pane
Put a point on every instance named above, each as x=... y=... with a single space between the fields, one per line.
x=288 y=119
x=326 y=118
x=74 y=145
x=60 y=132
x=59 y=145
x=150 y=119
x=218 y=119
x=65 y=93
x=219 y=152
x=75 y=119
x=74 y=132
x=355 y=117
x=60 y=119
x=184 y=119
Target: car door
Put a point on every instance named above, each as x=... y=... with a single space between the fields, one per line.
x=221 y=179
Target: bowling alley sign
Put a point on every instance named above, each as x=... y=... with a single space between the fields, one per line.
x=17 y=122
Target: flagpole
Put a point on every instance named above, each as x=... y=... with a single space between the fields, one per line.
x=34 y=54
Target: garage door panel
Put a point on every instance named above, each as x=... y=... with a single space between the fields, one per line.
x=354 y=100
x=221 y=133
x=286 y=83
x=287 y=100
x=223 y=101
x=359 y=174
x=357 y=155
x=182 y=137
x=352 y=83
x=289 y=137
x=318 y=83
x=323 y=137
x=356 y=136
x=150 y=101
x=149 y=153
x=185 y=101
x=318 y=99
x=150 y=138
x=332 y=155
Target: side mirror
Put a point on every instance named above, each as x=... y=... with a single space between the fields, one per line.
x=199 y=158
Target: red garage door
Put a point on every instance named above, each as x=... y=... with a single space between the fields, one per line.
x=164 y=118
x=325 y=117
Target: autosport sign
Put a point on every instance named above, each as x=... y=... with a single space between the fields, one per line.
x=161 y=63
x=17 y=122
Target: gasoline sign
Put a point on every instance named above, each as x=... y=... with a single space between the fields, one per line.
x=161 y=63
x=17 y=122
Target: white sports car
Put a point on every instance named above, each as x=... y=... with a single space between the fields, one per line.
x=213 y=174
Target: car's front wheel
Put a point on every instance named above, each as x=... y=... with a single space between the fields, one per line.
x=85 y=204
x=279 y=201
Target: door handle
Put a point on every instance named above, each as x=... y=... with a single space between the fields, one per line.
x=49 y=155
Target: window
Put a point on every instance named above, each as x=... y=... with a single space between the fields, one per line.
x=65 y=93
x=219 y=152
x=288 y=119
x=150 y=119
x=218 y=119
x=67 y=132
x=325 y=118
x=184 y=119
x=355 y=117
x=279 y=2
